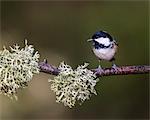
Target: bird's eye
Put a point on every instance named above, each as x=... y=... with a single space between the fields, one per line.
x=101 y=46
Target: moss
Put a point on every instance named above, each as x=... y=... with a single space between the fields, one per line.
x=71 y=85
x=17 y=68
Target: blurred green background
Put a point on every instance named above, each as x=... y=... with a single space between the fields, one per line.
x=59 y=31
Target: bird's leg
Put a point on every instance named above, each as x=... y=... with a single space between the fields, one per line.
x=99 y=66
x=99 y=69
x=114 y=66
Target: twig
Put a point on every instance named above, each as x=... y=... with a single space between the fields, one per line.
x=47 y=68
x=123 y=70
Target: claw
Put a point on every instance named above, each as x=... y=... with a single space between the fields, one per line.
x=114 y=66
x=99 y=70
x=99 y=67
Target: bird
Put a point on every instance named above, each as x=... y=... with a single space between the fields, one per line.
x=104 y=46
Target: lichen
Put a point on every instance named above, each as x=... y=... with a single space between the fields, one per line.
x=72 y=86
x=17 y=68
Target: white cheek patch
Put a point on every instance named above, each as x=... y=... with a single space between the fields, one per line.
x=104 y=41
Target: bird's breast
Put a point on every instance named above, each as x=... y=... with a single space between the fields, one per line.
x=105 y=54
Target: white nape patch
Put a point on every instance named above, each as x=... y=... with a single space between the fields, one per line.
x=104 y=41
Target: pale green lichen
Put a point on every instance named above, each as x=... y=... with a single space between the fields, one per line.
x=72 y=86
x=17 y=67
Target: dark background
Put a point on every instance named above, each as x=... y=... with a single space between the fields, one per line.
x=59 y=30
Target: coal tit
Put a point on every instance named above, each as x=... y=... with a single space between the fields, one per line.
x=104 y=46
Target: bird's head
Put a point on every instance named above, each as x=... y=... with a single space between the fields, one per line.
x=101 y=39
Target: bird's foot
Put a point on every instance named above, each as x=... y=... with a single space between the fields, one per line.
x=99 y=67
x=99 y=70
x=114 y=66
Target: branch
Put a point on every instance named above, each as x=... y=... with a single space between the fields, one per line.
x=47 y=68
x=123 y=70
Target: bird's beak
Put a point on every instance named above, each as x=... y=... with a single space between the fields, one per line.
x=89 y=40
